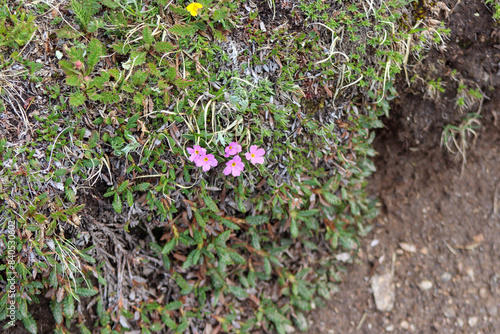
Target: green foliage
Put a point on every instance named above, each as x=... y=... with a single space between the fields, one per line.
x=16 y=27
x=136 y=90
x=495 y=5
x=84 y=10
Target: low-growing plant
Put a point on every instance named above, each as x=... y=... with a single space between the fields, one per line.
x=456 y=139
x=495 y=6
x=16 y=27
x=220 y=171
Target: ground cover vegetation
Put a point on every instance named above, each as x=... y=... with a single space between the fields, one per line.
x=122 y=225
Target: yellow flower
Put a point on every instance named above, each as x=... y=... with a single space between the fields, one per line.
x=193 y=8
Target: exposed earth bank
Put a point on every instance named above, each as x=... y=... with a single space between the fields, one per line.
x=436 y=240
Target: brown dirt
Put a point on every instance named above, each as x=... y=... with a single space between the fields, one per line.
x=452 y=218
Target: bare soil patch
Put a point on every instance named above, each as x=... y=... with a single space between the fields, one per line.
x=438 y=225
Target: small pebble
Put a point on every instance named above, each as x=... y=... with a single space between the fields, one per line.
x=483 y=293
x=470 y=273
x=473 y=321
x=408 y=247
x=492 y=310
x=389 y=328
x=449 y=312
x=460 y=322
x=425 y=285
x=446 y=277
x=404 y=324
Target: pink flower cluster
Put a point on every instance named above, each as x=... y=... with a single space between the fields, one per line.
x=200 y=157
x=235 y=166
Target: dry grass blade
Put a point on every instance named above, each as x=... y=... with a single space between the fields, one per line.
x=11 y=92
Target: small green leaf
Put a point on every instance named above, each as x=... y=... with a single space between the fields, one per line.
x=219 y=14
x=175 y=305
x=60 y=172
x=77 y=99
x=69 y=306
x=199 y=219
x=301 y=321
x=122 y=186
x=237 y=292
x=168 y=321
x=294 y=230
x=237 y=258
x=224 y=255
x=257 y=220
x=184 y=30
x=56 y=311
x=331 y=198
x=30 y=324
x=189 y=260
x=230 y=224
x=169 y=246
x=209 y=202
x=86 y=292
x=354 y=208
x=267 y=266
x=70 y=194
x=117 y=203
x=147 y=36
x=142 y=186
x=130 y=198
x=164 y=47
x=95 y=52
x=155 y=327
x=222 y=238
x=307 y=213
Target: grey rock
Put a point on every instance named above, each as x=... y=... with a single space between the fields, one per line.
x=384 y=292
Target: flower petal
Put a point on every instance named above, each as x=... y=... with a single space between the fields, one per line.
x=258 y=160
x=260 y=152
x=227 y=170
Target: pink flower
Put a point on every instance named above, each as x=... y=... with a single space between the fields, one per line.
x=232 y=149
x=206 y=161
x=256 y=155
x=196 y=152
x=234 y=166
